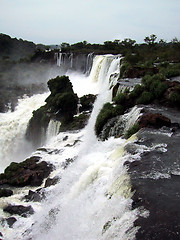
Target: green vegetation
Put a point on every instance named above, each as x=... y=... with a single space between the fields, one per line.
x=132 y=130
x=154 y=89
x=61 y=105
x=107 y=112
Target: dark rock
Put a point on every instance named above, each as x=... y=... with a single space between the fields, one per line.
x=156 y=186
x=10 y=221
x=29 y=172
x=19 y=210
x=1 y=235
x=51 y=181
x=65 y=138
x=5 y=192
x=33 y=196
x=154 y=120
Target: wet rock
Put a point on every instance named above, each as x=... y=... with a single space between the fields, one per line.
x=154 y=120
x=156 y=185
x=5 y=192
x=9 y=221
x=30 y=172
x=19 y=210
x=33 y=196
x=51 y=181
x=65 y=138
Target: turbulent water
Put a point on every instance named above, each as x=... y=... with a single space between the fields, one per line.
x=13 y=146
x=92 y=199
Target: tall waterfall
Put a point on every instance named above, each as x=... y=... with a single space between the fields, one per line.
x=92 y=200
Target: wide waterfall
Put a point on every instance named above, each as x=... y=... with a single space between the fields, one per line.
x=92 y=199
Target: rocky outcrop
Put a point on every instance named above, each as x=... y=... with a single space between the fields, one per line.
x=154 y=120
x=19 y=210
x=32 y=196
x=30 y=172
x=61 y=105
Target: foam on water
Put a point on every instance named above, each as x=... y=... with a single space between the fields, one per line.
x=92 y=199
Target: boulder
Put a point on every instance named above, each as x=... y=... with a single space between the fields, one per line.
x=30 y=172
x=33 y=196
x=9 y=221
x=5 y=192
x=51 y=181
x=19 y=210
x=154 y=120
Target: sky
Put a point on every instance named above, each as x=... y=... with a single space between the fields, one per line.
x=96 y=21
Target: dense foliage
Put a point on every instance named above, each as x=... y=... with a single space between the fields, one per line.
x=154 y=89
x=61 y=105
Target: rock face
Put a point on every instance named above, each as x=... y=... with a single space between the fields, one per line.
x=154 y=120
x=19 y=210
x=29 y=172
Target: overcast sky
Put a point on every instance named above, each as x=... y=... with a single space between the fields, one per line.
x=96 y=21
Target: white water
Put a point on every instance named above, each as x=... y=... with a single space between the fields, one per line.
x=92 y=201
x=13 y=125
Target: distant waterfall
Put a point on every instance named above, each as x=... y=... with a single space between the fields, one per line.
x=75 y=62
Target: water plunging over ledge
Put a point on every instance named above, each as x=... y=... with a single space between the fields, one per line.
x=92 y=199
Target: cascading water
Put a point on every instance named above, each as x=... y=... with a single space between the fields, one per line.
x=53 y=129
x=13 y=125
x=92 y=200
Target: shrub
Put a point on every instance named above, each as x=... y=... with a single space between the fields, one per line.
x=145 y=98
x=64 y=102
x=107 y=112
x=104 y=115
x=160 y=89
x=124 y=68
x=138 y=89
x=120 y=98
x=132 y=130
x=59 y=85
x=175 y=98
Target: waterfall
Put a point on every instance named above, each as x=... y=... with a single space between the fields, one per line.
x=92 y=200
x=59 y=59
x=13 y=125
x=53 y=129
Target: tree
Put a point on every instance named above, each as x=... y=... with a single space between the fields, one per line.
x=128 y=43
x=151 y=39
